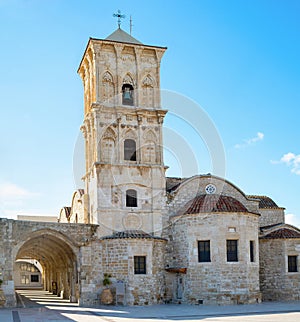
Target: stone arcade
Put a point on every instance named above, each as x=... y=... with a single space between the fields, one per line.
x=197 y=240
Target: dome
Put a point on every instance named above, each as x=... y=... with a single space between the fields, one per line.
x=213 y=203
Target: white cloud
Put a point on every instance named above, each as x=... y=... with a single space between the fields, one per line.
x=9 y=191
x=292 y=220
x=292 y=160
x=13 y=199
x=259 y=137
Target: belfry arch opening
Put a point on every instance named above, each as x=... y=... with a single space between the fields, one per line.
x=127 y=94
x=55 y=263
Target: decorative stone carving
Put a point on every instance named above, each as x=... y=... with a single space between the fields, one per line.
x=128 y=80
x=132 y=221
x=148 y=81
x=107 y=77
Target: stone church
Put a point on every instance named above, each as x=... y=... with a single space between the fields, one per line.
x=198 y=240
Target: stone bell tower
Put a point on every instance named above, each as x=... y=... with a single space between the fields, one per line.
x=122 y=127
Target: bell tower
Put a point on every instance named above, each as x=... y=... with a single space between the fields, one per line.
x=122 y=127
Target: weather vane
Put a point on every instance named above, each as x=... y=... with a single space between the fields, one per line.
x=119 y=16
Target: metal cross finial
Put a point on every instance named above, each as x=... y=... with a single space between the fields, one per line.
x=119 y=16
x=131 y=25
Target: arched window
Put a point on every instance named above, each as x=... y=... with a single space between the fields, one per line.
x=131 y=198
x=127 y=94
x=129 y=150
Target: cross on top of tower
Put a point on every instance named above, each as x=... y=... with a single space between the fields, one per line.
x=119 y=16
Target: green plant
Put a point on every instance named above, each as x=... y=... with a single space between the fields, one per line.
x=1 y=281
x=106 y=281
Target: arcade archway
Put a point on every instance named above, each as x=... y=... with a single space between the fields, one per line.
x=58 y=260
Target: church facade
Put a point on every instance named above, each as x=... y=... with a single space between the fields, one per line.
x=195 y=240
x=198 y=240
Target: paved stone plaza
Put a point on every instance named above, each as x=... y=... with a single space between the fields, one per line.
x=43 y=306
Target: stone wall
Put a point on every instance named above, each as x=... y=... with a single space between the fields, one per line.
x=271 y=216
x=218 y=281
x=6 y=262
x=118 y=260
x=276 y=283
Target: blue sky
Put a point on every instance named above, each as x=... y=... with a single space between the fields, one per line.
x=237 y=59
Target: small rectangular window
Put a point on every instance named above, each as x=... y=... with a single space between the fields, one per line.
x=252 y=251
x=34 y=278
x=232 y=250
x=139 y=264
x=292 y=264
x=131 y=198
x=204 y=251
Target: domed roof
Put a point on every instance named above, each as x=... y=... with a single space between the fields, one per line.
x=213 y=203
x=283 y=233
x=264 y=202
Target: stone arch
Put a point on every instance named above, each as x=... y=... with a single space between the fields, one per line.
x=65 y=214
x=129 y=145
x=128 y=90
x=148 y=80
x=58 y=256
x=77 y=207
x=109 y=133
x=150 y=136
x=128 y=79
x=108 y=88
x=129 y=134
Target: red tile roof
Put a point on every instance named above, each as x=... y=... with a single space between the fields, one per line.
x=214 y=203
x=264 y=202
x=173 y=183
x=81 y=192
x=282 y=233
x=67 y=212
x=131 y=234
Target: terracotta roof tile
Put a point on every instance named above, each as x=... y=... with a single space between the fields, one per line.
x=67 y=212
x=264 y=202
x=214 y=203
x=81 y=192
x=131 y=234
x=173 y=183
x=282 y=233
